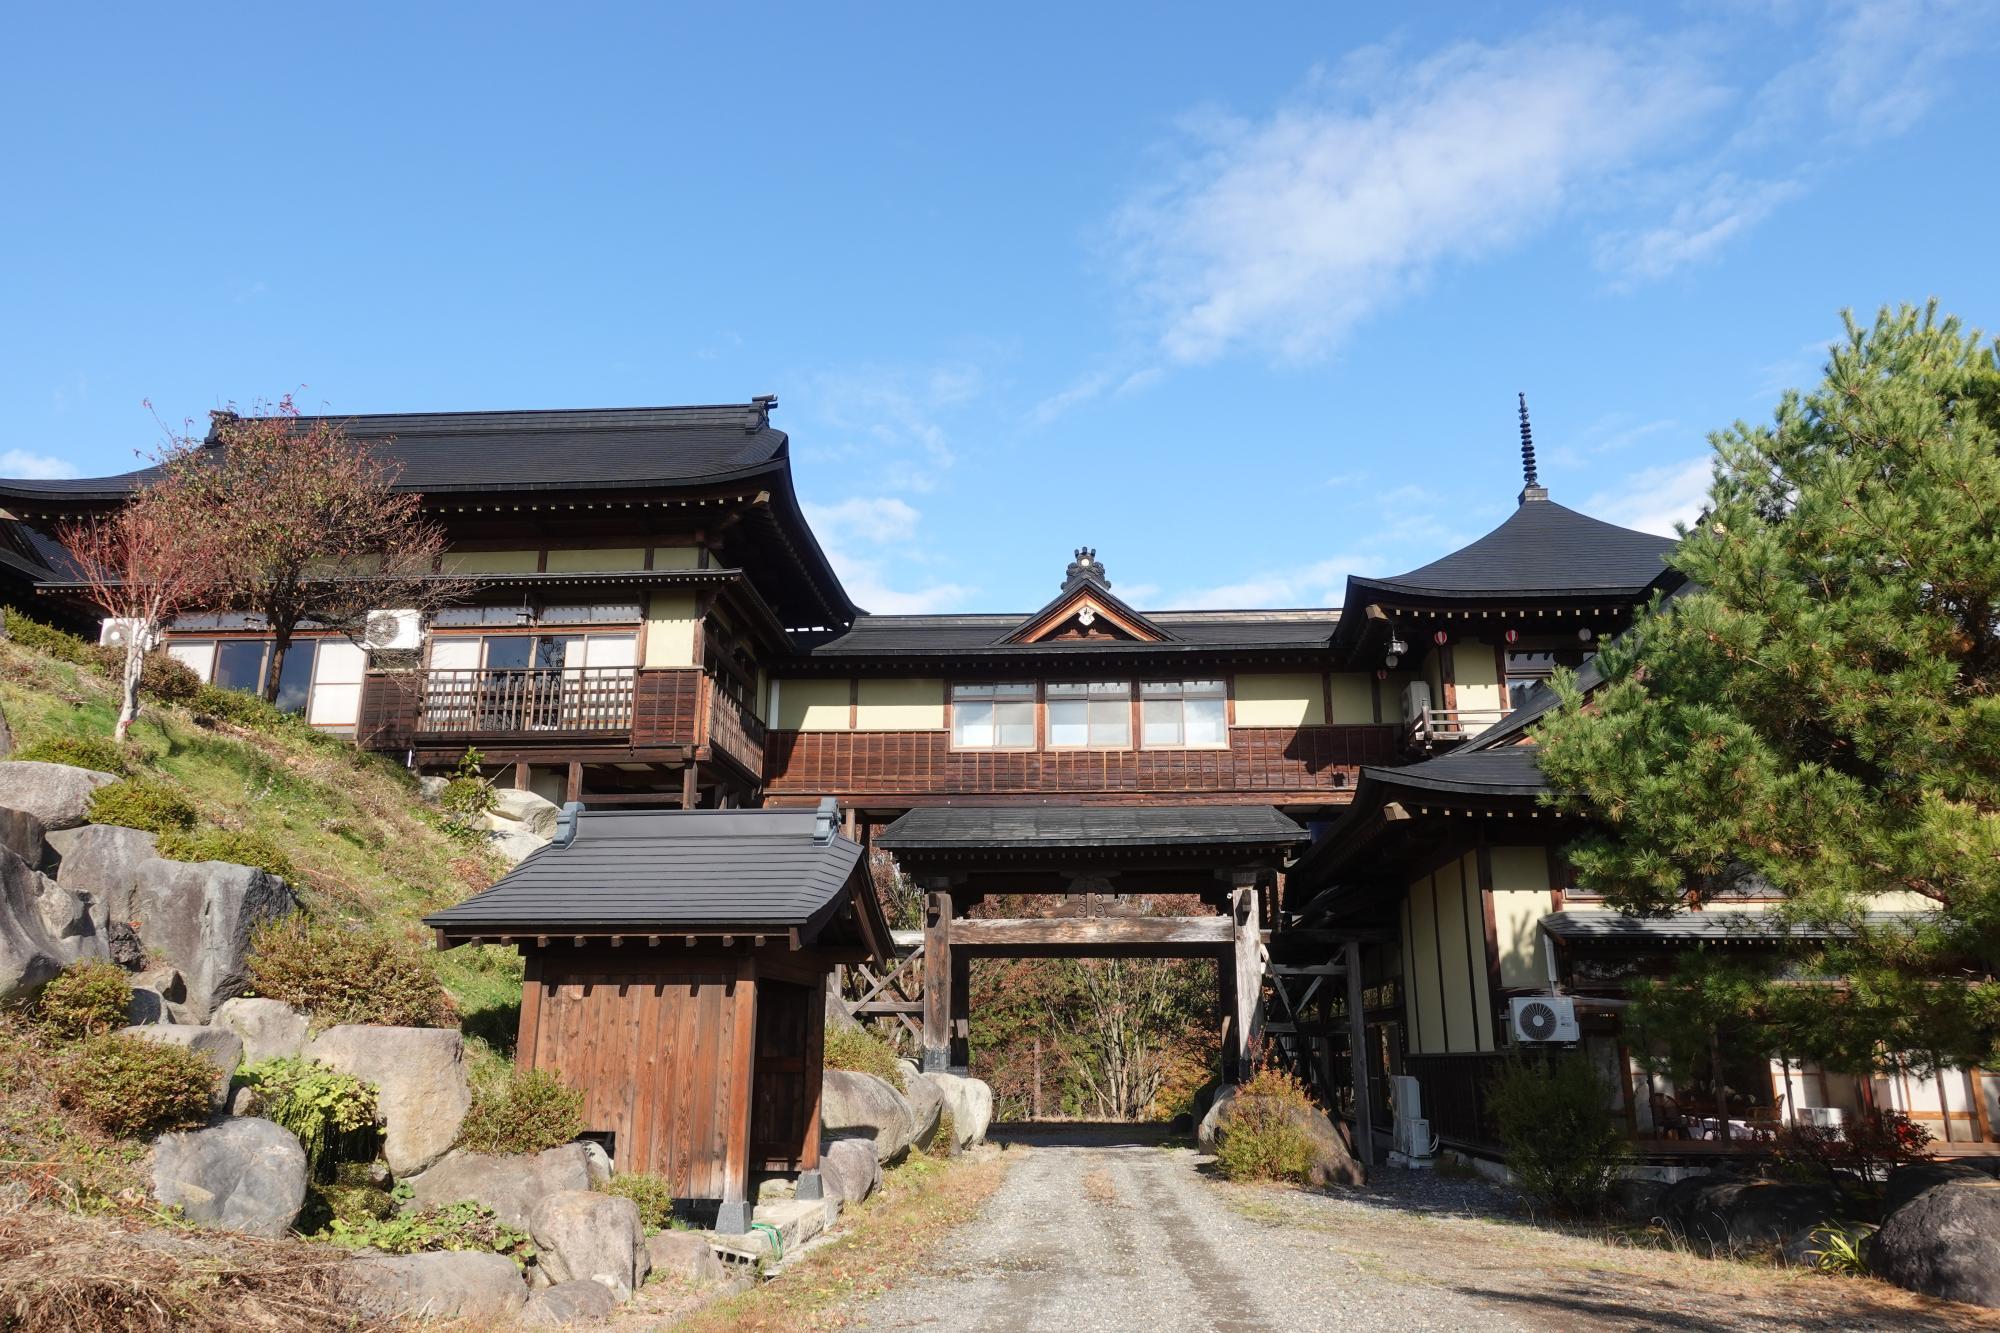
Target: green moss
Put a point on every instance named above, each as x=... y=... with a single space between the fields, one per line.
x=863 y=1052
x=528 y=1112
x=652 y=1195
x=90 y=752
x=142 y=803
x=84 y=999
x=214 y=844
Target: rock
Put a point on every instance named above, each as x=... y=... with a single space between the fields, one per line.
x=271 y=1029
x=1332 y=1163
x=71 y=921
x=1218 y=1106
x=431 y=788
x=22 y=834
x=443 y=1284
x=926 y=1102
x=599 y=1162
x=514 y=845
x=516 y=809
x=245 y=1101
x=686 y=1254
x=219 y=1046
x=1727 y=1210
x=419 y=1077
x=1945 y=1242
x=29 y=955
x=1910 y=1179
x=573 y=1302
x=196 y=916
x=970 y=1102
x=838 y=1016
x=855 y=1105
x=168 y=981
x=849 y=1170
x=146 y=1006
x=241 y=1175
x=510 y=1186
x=55 y=794
x=126 y=948
x=583 y=1234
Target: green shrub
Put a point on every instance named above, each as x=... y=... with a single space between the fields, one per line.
x=237 y=706
x=57 y=643
x=91 y=752
x=467 y=797
x=166 y=678
x=333 y=1114
x=141 y=803
x=451 y=1226
x=343 y=975
x=1561 y=1141
x=351 y=1197
x=215 y=844
x=1262 y=1143
x=134 y=1088
x=85 y=999
x=863 y=1052
x=945 y=1141
x=526 y=1112
x=653 y=1196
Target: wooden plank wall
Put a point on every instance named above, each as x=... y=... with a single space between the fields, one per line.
x=666 y=707
x=388 y=715
x=1258 y=759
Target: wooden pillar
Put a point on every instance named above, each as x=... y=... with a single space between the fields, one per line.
x=1247 y=1001
x=961 y=1011
x=809 y=1185
x=573 y=788
x=1225 y=1009
x=733 y=1218
x=937 y=982
x=1357 y=1042
x=520 y=775
x=690 y=785
x=531 y=1009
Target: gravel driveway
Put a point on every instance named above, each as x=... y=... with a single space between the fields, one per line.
x=1103 y=1230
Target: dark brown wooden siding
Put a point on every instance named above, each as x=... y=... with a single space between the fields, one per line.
x=1272 y=760
x=666 y=707
x=388 y=716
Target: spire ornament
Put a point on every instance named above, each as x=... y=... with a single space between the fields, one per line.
x=1531 y=481
x=1085 y=568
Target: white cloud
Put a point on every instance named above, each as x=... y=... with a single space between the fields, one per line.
x=1654 y=499
x=1321 y=583
x=1877 y=67
x=1093 y=386
x=870 y=519
x=40 y=467
x=1283 y=233
x=873 y=544
x=1694 y=232
x=891 y=417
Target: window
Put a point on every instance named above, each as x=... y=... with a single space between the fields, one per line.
x=1187 y=713
x=993 y=717
x=1525 y=670
x=1095 y=714
x=295 y=676
x=239 y=664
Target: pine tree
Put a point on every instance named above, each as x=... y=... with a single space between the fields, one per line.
x=1819 y=712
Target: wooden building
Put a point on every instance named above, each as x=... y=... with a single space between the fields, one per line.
x=677 y=964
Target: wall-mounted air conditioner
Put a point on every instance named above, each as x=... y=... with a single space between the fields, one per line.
x=1416 y=700
x=1537 y=1020
x=389 y=630
x=117 y=631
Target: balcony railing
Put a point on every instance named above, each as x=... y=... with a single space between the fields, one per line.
x=527 y=700
x=1448 y=726
x=734 y=731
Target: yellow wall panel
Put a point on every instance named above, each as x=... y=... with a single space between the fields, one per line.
x=1476 y=671
x=1424 y=978
x=1293 y=699
x=899 y=705
x=1521 y=897
x=1353 y=697
x=670 y=618
x=1455 y=957
x=620 y=558
x=492 y=562
x=812 y=705
x=676 y=557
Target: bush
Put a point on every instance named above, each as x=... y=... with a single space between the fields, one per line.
x=142 y=804
x=341 y=975
x=1867 y=1146
x=467 y=797
x=1561 y=1141
x=57 y=643
x=863 y=1052
x=214 y=844
x=652 y=1194
x=78 y=752
x=166 y=678
x=451 y=1226
x=526 y=1112
x=333 y=1114
x=1262 y=1142
x=85 y=999
x=351 y=1197
x=134 y=1088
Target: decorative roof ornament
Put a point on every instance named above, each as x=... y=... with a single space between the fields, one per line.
x=1085 y=569
x=1531 y=481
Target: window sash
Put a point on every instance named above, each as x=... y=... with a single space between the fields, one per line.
x=989 y=723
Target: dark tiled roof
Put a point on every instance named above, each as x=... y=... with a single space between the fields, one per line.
x=1746 y=925
x=1512 y=770
x=658 y=870
x=977 y=827
x=921 y=636
x=538 y=450
x=1542 y=549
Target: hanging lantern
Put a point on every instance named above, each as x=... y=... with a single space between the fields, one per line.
x=1513 y=636
x=1440 y=638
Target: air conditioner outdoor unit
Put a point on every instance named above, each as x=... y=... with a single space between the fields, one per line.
x=1414 y=1139
x=1416 y=700
x=391 y=630
x=116 y=632
x=1541 y=1019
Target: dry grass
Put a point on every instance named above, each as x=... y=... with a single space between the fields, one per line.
x=60 y=1273
x=885 y=1239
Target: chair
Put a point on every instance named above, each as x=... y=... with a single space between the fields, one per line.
x=1669 y=1121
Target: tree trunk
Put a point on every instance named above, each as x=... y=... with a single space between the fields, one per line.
x=281 y=643
x=128 y=699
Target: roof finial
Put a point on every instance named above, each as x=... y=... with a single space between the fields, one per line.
x=1531 y=481
x=1085 y=566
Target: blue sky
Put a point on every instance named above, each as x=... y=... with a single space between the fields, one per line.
x=1240 y=295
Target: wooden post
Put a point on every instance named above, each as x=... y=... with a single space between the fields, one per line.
x=937 y=982
x=1248 y=997
x=734 y=1217
x=1225 y=1008
x=1357 y=1040
x=531 y=1009
x=961 y=1011
x=809 y=1185
x=1036 y=1107
x=573 y=788
x=690 y=785
x=520 y=775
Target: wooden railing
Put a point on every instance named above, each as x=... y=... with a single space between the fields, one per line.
x=526 y=700
x=1448 y=726
x=734 y=730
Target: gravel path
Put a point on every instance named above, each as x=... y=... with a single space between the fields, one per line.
x=1102 y=1232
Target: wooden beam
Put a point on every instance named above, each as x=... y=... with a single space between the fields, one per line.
x=961 y=1010
x=938 y=932
x=1249 y=959
x=1357 y=1038
x=531 y=1011
x=1211 y=934
x=737 y=1204
x=815 y=1060
x=573 y=785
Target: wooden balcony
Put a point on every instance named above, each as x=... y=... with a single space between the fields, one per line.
x=734 y=732
x=510 y=702
x=1435 y=727
x=556 y=714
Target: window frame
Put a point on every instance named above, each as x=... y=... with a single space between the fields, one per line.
x=1181 y=695
x=1129 y=696
x=1035 y=711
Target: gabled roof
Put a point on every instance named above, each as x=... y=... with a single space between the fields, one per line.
x=904 y=637
x=1087 y=601
x=1543 y=549
x=950 y=827
x=1513 y=770
x=660 y=871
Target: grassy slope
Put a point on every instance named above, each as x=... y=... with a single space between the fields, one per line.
x=348 y=821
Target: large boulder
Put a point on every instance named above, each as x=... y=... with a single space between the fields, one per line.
x=854 y=1105
x=270 y=1029
x=242 y=1175
x=419 y=1077
x=687 y=1254
x=71 y=921
x=514 y=845
x=29 y=955
x=572 y=1302
x=474 y=1285
x=510 y=1186
x=970 y=1102
x=849 y=1170
x=24 y=835
x=1332 y=1163
x=55 y=794
x=1910 y=1179
x=581 y=1234
x=516 y=810
x=198 y=916
x=1727 y=1210
x=219 y=1046
x=1211 y=1117
x=926 y=1101
x=1945 y=1242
